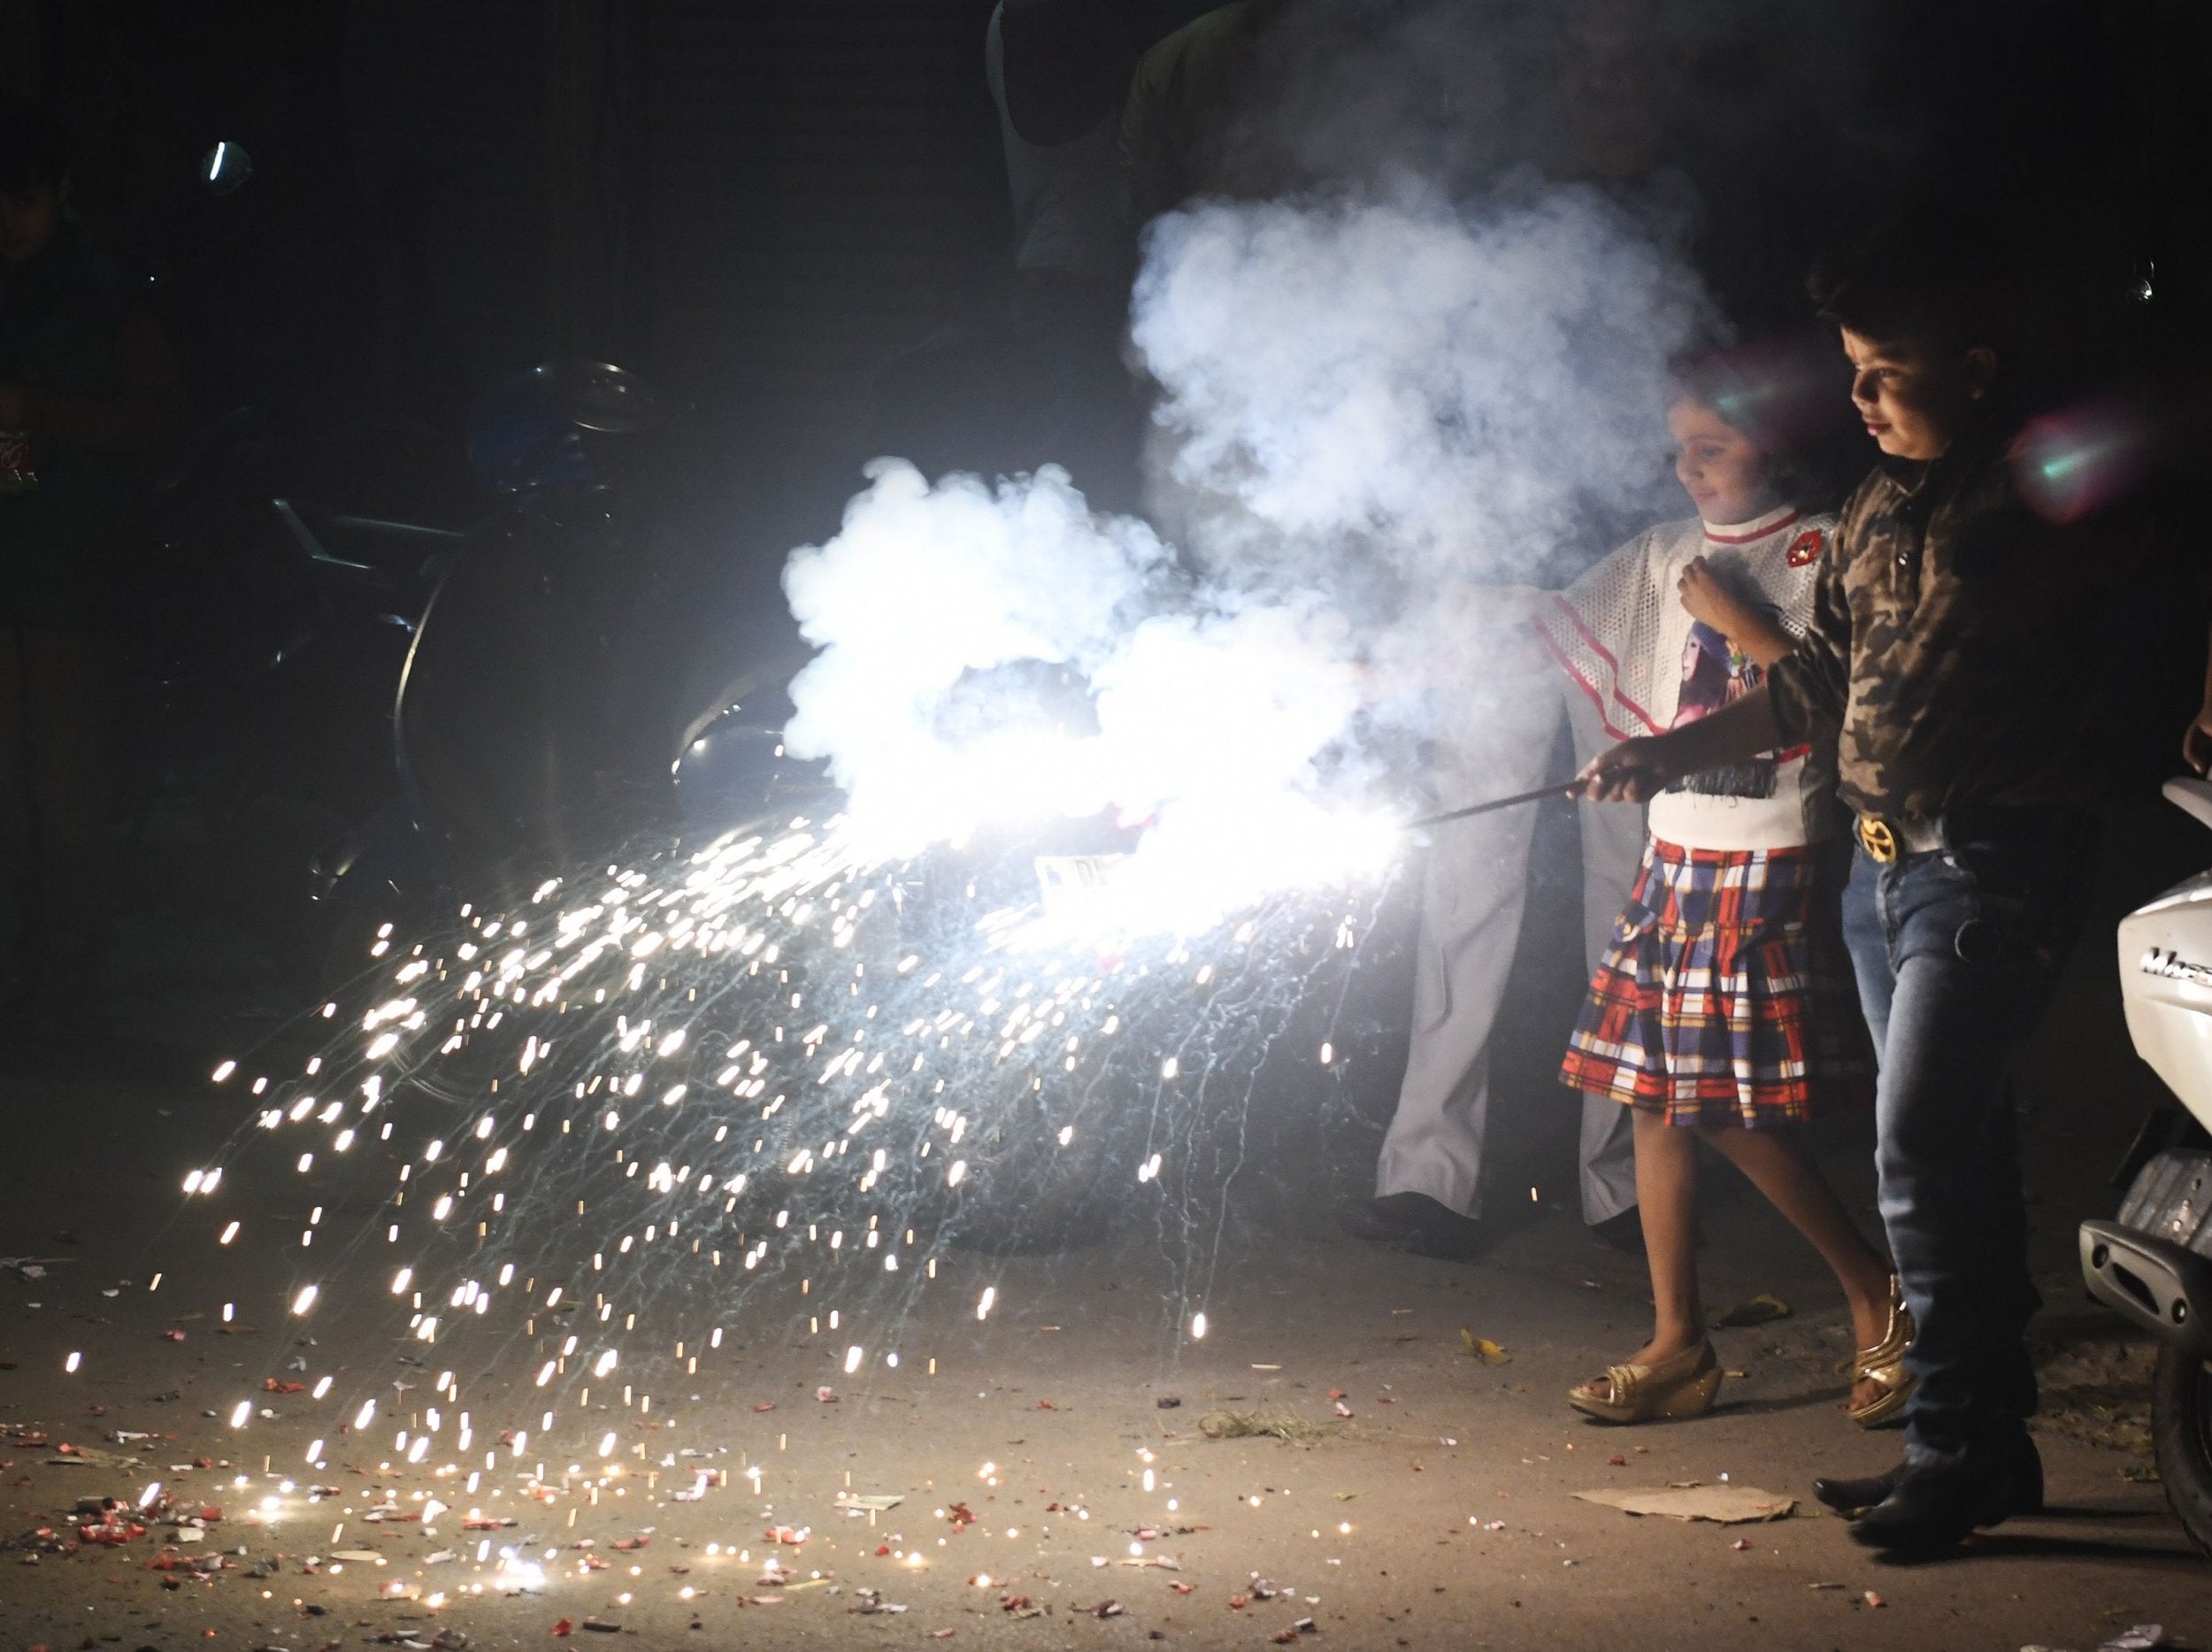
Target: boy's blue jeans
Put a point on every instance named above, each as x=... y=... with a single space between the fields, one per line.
x=1867 y=940
x=1956 y=951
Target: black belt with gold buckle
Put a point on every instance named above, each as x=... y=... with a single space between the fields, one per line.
x=1886 y=837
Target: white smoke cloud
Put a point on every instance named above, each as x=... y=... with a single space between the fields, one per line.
x=925 y=585
x=1201 y=721
x=1446 y=390
x=1373 y=419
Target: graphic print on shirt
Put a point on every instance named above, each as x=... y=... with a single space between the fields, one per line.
x=1714 y=675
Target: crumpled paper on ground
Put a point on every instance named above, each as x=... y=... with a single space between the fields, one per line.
x=1483 y=1348
x=2142 y=1638
x=1724 y=1505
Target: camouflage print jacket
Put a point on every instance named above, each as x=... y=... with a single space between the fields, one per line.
x=1949 y=649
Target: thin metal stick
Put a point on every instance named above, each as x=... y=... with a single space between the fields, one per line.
x=1563 y=788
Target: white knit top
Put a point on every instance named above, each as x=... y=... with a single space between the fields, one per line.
x=1621 y=632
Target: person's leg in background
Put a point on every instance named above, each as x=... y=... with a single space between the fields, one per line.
x=1612 y=849
x=1428 y=1180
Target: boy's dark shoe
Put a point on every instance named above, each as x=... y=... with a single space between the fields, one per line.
x=1425 y=1227
x=2018 y=1490
x=1933 y=1508
x=1623 y=1231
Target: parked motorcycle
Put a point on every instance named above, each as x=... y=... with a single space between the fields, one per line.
x=524 y=742
x=2152 y=1262
x=284 y=546
x=251 y=722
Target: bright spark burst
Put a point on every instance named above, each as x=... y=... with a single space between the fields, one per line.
x=768 y=1059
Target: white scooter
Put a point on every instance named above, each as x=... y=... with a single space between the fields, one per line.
x=2153 y=1261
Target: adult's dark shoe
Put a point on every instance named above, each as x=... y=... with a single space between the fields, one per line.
x=2018 y=1490
x=1377 y=1221
x=1623 y=1231
x=1453 y=1238
x=1426 y=1226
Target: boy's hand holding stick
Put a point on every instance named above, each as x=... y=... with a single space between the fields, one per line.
x=1638 y=769
x=1629 y=772
x=1563 y=788
x=1634 y=771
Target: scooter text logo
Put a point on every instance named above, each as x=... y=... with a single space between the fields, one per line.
x=2164 y=961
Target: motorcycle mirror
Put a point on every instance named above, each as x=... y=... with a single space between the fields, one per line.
x=224 y=168
x=598 y=395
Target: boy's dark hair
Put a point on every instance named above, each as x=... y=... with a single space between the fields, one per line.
x=34 y=148
x=1932 y=277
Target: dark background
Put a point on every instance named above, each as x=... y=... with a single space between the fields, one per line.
x=758 y=203
x=754 y=203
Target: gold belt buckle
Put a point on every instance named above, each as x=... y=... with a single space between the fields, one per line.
x=1877 y=838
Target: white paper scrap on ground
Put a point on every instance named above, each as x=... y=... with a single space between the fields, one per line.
x=2142 y=1638
x=1727 y=1505
x=869 y=1502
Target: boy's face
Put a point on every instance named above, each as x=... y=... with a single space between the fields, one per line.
x=1727 y=475
x=28 y=218
x=1914 y=396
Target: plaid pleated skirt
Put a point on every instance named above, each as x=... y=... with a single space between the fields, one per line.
x=1726 y=994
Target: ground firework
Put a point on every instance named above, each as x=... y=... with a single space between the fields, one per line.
x=726 y=1097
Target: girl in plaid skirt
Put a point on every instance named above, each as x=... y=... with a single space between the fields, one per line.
x=1725 y=1007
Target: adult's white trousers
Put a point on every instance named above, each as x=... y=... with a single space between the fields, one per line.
x=1473 y=889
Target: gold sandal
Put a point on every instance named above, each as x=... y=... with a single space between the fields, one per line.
x=1884 y=1364
x=1681 y=1386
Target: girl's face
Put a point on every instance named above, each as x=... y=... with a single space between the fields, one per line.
x=1727 y=475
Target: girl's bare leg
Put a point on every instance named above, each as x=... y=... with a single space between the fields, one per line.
x=1777 y=1164
x=1666 y=1193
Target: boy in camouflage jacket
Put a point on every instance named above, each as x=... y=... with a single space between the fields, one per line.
x=1938 y=657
